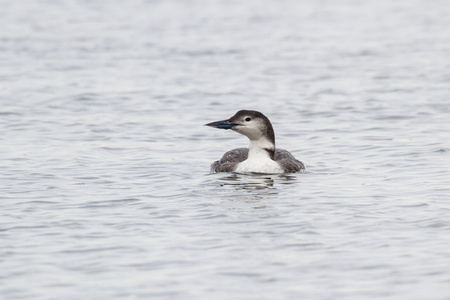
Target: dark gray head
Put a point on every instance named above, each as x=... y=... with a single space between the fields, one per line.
x=250 y=123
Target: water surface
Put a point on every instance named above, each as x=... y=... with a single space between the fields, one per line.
x=104 y=181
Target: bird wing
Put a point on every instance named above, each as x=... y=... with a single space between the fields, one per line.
x=229 y=160
x=287 y=161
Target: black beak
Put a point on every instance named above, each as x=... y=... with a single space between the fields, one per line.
x=225 y=124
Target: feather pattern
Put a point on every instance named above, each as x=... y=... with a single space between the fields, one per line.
x=232 y=158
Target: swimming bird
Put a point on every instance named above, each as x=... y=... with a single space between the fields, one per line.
x=261 y=156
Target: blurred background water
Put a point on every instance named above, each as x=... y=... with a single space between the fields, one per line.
x=105 y=191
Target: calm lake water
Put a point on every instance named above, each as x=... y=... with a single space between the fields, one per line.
x=105 y=191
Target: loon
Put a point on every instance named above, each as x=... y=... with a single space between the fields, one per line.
x=261 y=156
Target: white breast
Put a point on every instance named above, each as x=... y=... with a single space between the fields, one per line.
x=258 y=160
x=262 y=164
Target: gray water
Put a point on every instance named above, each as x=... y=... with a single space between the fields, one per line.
x=105 y=191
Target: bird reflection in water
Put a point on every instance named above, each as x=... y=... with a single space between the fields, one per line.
x=256 y=181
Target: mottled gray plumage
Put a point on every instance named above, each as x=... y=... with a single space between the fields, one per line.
x=230 y=159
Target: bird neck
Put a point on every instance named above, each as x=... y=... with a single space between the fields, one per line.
x=261 y=148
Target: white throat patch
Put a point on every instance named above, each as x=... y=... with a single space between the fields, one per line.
x=259 y=160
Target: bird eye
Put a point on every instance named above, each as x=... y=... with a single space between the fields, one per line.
x=248 y=119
